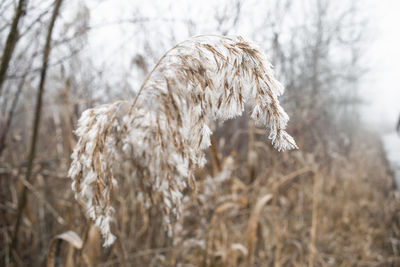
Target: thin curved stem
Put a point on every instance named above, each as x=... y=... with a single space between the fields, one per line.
x=162 y=58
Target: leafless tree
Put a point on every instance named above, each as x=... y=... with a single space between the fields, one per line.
x=35 y=130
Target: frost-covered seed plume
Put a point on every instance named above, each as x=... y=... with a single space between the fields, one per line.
x=162 y=135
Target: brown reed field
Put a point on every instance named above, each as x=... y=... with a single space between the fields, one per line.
x=195 y=169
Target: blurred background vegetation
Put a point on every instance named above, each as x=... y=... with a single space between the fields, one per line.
x=333 y=202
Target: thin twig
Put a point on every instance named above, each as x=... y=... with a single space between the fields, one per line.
x=39 y=196
x=35 y=130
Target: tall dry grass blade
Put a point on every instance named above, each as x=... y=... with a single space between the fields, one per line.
x=216 y=162
x=252 y=227
x=70 y=237
x=164 y=133
x=316 y=190
x=92 y=246
x=251 y=153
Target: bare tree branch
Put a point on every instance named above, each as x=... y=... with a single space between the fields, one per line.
x=12 y=39
x=35 y=130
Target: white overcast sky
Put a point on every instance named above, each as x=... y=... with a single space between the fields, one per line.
x=383 y=82
x=381 y=87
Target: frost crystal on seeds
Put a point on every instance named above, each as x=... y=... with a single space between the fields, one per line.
x=161 y=136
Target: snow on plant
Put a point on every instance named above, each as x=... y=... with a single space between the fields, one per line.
x=162 y=135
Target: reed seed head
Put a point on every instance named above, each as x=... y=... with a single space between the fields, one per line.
x=162 y=135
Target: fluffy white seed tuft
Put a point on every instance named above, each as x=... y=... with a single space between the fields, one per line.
x=163 y=134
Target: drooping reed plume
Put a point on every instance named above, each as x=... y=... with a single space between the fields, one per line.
x=161 y=136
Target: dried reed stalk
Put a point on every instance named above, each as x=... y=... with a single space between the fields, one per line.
x=314 y=223
x=71 y=237
x=162 y=134
x=252 y=227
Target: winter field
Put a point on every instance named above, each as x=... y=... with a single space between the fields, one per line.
x=183 y=133
x=391 y=144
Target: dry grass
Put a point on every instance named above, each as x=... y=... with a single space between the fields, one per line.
x=357 y=221
x=344 y=217
x=252 y=206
